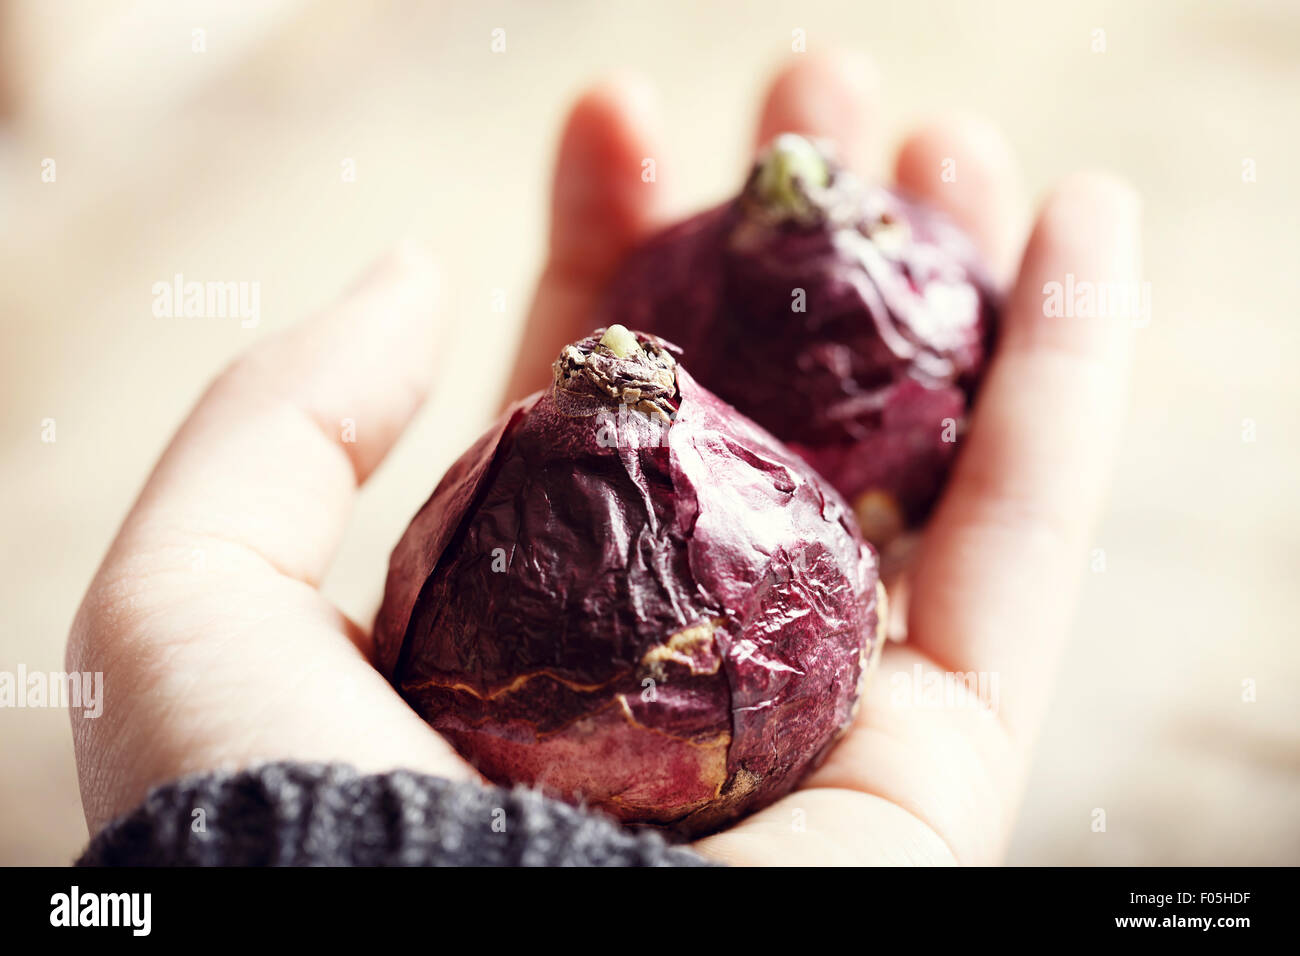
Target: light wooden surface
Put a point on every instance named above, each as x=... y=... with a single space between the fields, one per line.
x=239 y=180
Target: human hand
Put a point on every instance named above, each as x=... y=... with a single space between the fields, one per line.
x=205 y=609
x=992 y=587
x=217 y=649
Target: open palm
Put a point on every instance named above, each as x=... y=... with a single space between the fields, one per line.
x=991 y=590
x=218 y=650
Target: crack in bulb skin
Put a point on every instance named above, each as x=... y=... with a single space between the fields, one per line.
x=673 y=628
x=851 y=321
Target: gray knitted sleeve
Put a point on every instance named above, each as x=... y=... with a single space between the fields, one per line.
x=290 y=814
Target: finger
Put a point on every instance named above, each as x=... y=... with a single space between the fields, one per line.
x=999 y=565
x=210 y=657
x=270 y=458
x=608 y=195
x=963 y=165
x=834 y=96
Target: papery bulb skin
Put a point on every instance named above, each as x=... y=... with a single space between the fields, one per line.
x=629 y=595
x=850 y=321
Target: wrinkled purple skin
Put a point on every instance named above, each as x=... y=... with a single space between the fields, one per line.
x=864 y=382
x=532 y=604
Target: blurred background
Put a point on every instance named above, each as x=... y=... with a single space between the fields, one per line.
x=214 y=138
